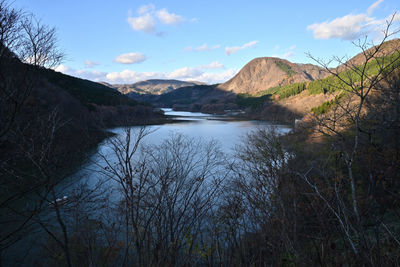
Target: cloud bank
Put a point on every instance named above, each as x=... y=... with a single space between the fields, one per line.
x=203 y=73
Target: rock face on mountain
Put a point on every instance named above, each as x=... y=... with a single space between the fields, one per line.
x=266 y=72
x=155 y=87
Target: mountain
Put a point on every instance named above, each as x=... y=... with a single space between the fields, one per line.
x=75 y=111
x=267 y=72
x=255 y=77
x=89 y=93
x=386 y=48
x=296 y=100
x=153 y=86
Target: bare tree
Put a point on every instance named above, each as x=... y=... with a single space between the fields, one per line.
x=167 y=192
x=28 y=191
x=25 y=46
x=23 y=39
x=259 y=207
x=347 y=128
x=39 y=45
x=9 y=27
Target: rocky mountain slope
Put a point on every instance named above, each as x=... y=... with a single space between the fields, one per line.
x=153 y=86
x=267 y=72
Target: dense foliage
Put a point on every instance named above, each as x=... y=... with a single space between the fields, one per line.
x=285 y=90
x=290 y=90
x=285 y=67
x=87 y=92
x=332 y=84
x=326 y=106
x=247 y=100
x=185 y=95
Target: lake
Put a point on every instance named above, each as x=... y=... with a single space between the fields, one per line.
x=227 y=132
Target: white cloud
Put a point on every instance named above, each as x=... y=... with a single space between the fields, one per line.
x=234 y=49
x=288 y=54
x=130 y=58
x=93 y=75
x=203 y=47
x=145 y=9
x=148 y=17
x=184 y=73
x=250 y=44
x=169 y=18
x=197 y=73
x=144 y=23
x=62 y=68
x=396 y=17
x=129 y=76
x=85 y=74
x=349 y=27
x=371 y=9
x=219 y=77
x=90 y=64
x=212 y=65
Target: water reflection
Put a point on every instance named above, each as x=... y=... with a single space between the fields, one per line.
x=199 y=126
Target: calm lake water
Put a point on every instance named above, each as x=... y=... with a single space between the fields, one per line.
x=228 y=133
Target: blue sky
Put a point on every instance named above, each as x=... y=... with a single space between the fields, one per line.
x=123 y=41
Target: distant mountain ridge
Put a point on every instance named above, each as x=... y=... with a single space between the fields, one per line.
x=267 y=72
x=153 y=86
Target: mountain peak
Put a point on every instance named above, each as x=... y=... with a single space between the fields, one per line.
x=265 y=72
